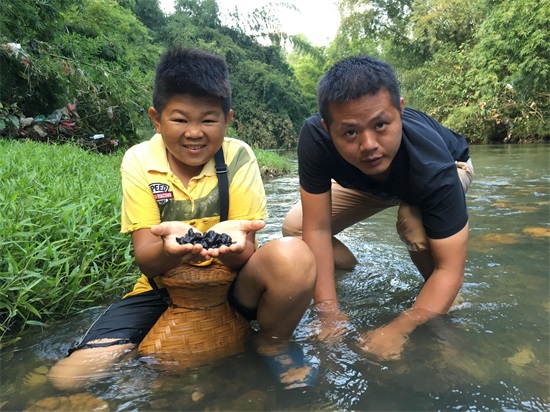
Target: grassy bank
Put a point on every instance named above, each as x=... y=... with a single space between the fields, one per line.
x=60 y=246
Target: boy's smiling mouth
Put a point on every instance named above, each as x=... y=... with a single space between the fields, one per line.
x=194 y=147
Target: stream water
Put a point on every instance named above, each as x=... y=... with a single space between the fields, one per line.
x=491 y=352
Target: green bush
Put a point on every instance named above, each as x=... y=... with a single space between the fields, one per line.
x=61 y=249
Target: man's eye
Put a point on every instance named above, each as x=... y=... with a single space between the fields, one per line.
x=350 y=133
x=380 y=125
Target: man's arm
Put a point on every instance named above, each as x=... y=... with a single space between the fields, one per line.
x=443 y=285
x=435 y=298
x=317 y=233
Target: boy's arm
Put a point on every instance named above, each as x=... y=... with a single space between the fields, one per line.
x=435 y=298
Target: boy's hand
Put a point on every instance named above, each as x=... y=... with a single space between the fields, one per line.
x=242 y=232
x=188 y=253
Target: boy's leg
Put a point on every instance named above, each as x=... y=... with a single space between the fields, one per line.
x=278 y=280
x=115 y=333
x=87 y=366
x=348 y=207
x=275 y=287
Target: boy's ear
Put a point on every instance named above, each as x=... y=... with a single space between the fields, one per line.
x=155 y=117
x=229 y=117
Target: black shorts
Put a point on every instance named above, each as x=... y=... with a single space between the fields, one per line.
x=130 y=319
x=127 y=320
x=249 y=314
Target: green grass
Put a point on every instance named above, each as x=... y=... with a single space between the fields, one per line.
x=60 y=246
x=61 y=250
x=271 y=164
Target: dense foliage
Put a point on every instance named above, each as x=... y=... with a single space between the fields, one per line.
x=482 y=67
x=100 y=56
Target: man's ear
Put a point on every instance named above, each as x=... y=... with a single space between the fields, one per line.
x=402 y=104
x=155 y=117
x=324 y=124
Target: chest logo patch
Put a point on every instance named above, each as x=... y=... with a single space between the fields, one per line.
x=161 y=193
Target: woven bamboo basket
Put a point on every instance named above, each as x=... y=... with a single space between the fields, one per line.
x=201 y=326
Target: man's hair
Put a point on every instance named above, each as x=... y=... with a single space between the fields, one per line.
x=191 y=71
x=355 y=77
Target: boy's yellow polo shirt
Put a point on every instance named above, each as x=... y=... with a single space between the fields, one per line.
x=153 y=194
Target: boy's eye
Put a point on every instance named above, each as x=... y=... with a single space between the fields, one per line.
x=179 y=120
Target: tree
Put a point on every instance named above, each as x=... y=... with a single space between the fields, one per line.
x=308 y=63
x=378 y=27
x=150 y=14
x=512 y=59
x=488 y=74
x=269 y=106
x=101 y=58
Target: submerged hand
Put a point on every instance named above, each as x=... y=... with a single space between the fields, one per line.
x=333 y=323
x=385 y=343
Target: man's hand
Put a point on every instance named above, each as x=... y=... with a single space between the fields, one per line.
x=332 y=324
x=385 y=343
x=388 y=341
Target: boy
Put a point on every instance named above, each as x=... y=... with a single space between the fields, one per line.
x=169 y=185
x=363 y=153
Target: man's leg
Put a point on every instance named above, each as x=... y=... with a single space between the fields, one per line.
x=348 y=207
x=411 y=229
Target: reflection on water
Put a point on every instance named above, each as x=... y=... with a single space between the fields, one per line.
x=490 y=353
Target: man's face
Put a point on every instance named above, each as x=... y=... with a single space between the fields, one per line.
x=192 y=128
x=367 y=132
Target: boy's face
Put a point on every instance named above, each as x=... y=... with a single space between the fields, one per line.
x=367 y=132
x=193 y=129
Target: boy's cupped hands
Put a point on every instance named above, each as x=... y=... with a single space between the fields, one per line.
x=242 y=232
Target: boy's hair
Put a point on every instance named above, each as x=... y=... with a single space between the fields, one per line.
x=355 y=77
x=191 y=71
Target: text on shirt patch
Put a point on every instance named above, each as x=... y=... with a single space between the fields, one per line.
x=161 y=192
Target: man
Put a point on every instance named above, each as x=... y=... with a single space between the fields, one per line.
x=365 y=152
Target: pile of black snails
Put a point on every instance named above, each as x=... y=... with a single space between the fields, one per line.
x=208 y=240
